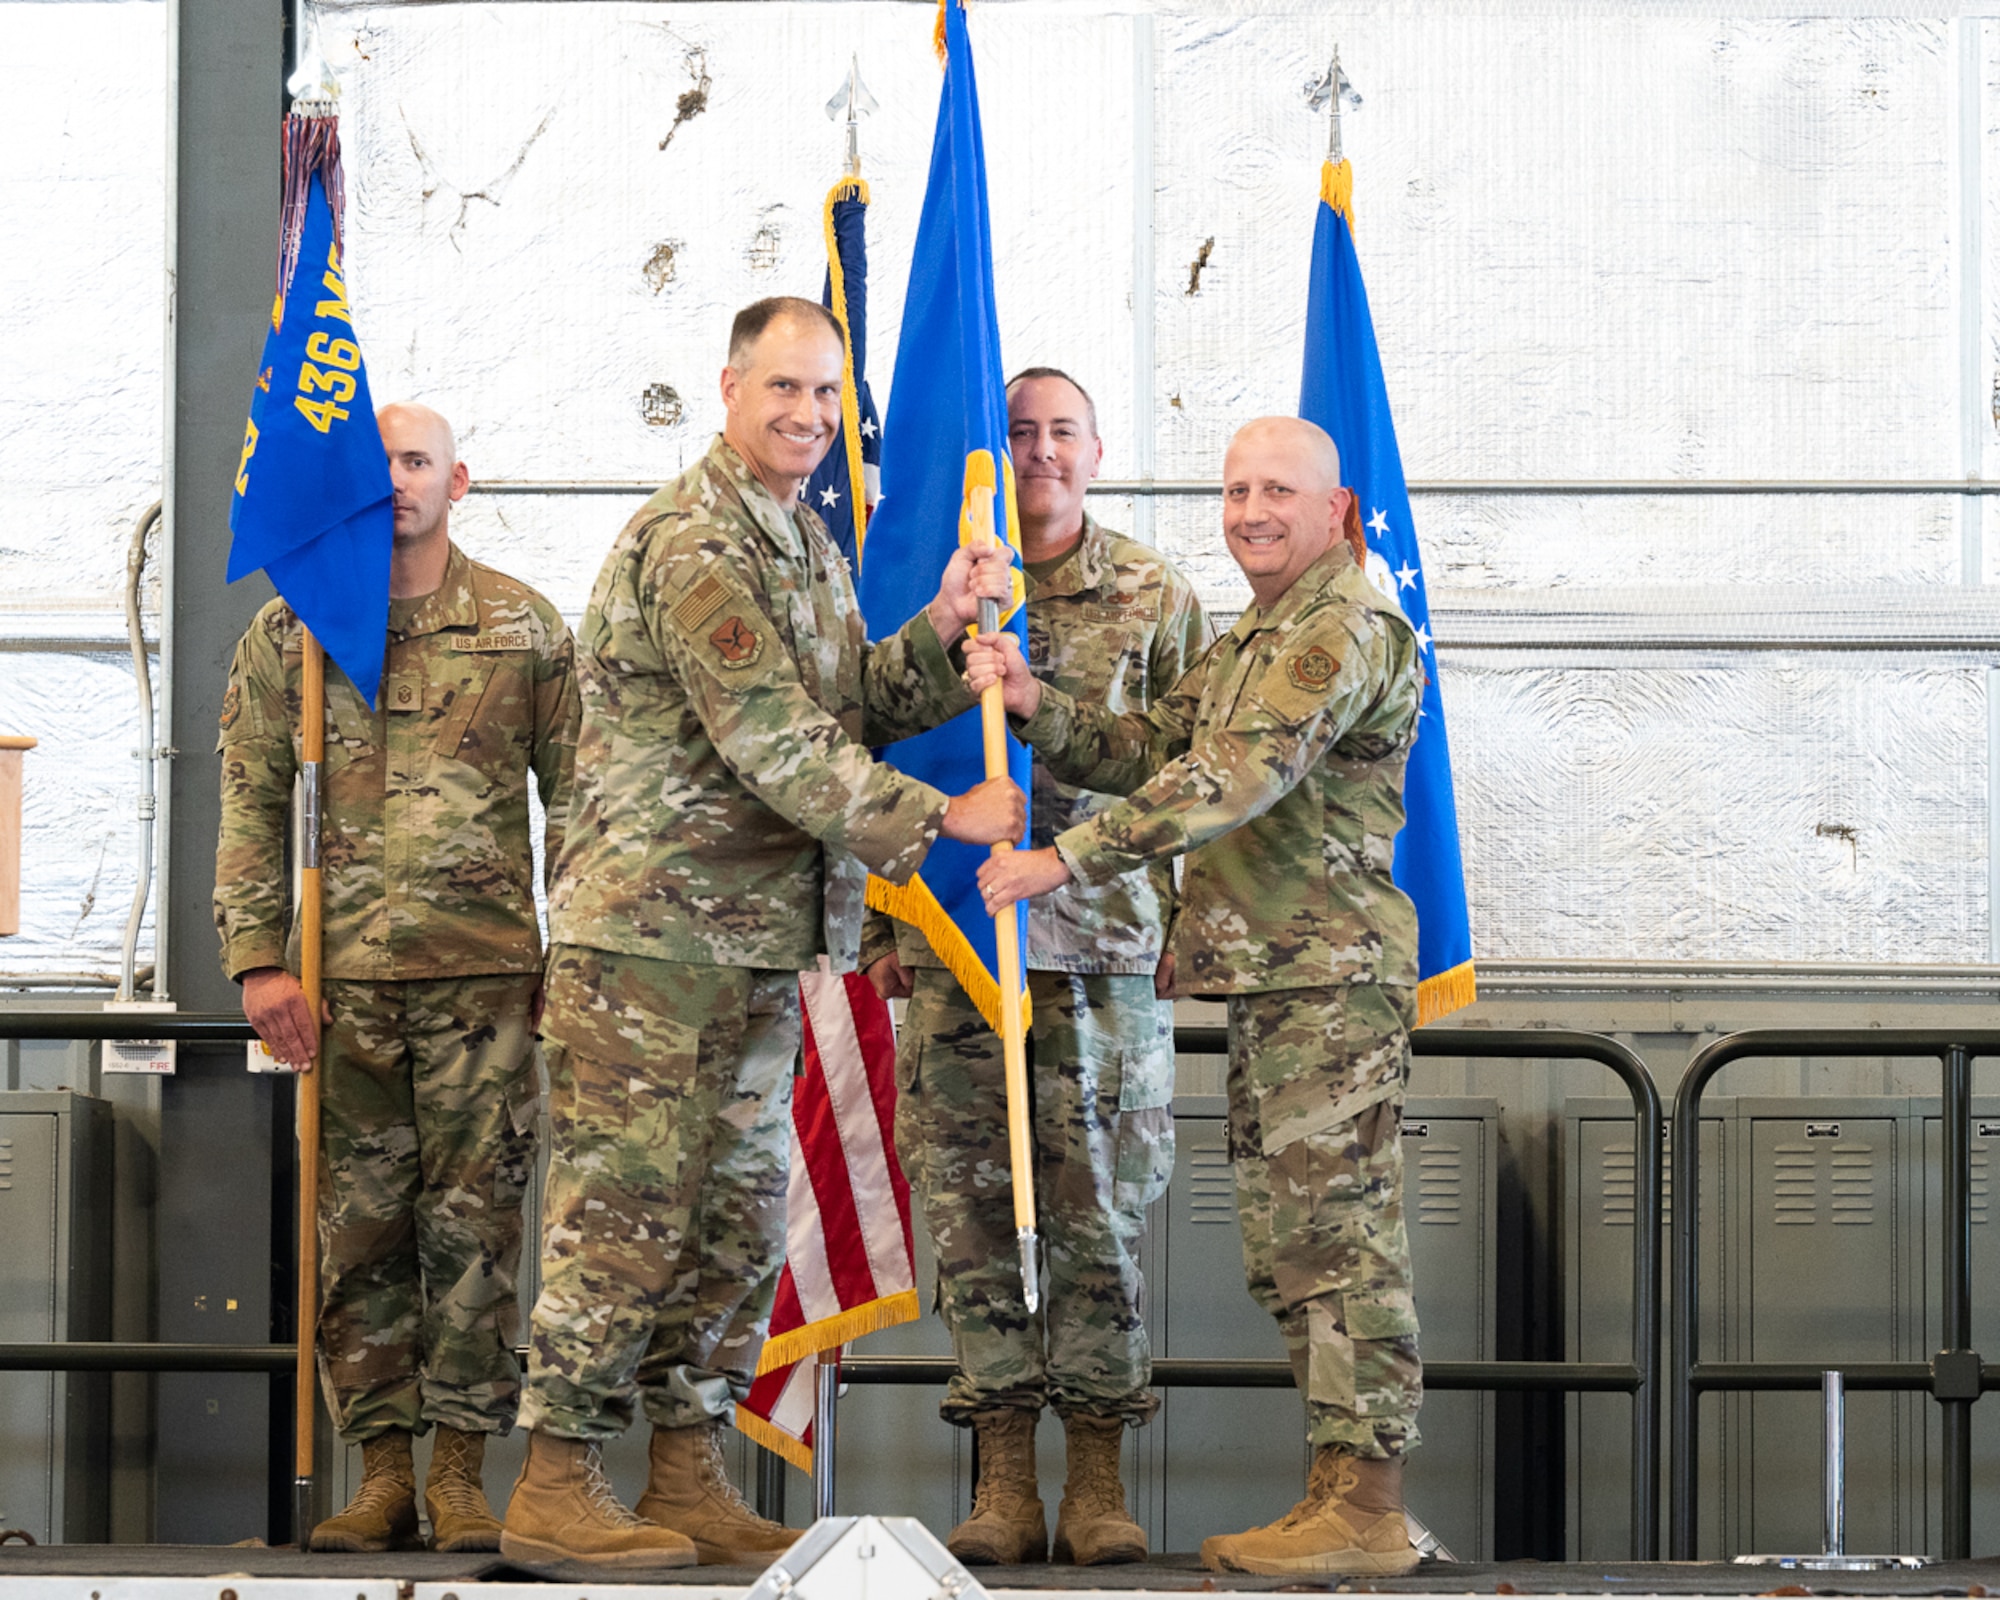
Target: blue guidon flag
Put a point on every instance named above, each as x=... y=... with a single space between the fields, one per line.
x=844 y=488
x=945 y=449
x=313 y=504
x=1344 y=393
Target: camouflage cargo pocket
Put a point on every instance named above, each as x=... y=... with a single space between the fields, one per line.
x=1144 y=1160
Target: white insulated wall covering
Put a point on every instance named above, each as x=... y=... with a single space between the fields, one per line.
x=1634 y=243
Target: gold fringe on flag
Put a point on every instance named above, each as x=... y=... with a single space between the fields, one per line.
x=871 y=1316
x=915 y=904
x=937 y=34
x=850 y=392
x=1442 y=993
x=774 y=1439
x=1336 y=188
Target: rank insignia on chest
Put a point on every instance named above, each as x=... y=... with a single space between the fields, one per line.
x=1312 y=669
x=737 y=643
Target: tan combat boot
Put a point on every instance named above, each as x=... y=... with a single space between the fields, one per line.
x=1093 y=1527
x=1007 y=1527
x=688 y=1490
x=563 y=1510
x=1350 y=1523
x=455 y=1493
x=383 y=1513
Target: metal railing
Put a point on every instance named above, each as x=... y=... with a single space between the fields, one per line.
x=1955 y=1376
x=1639 y=1377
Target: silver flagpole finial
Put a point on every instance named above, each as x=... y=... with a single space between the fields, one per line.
x=853 y=101
x=1330 y=90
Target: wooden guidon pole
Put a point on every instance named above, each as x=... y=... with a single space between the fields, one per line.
x=978 y=516
x=312 y=736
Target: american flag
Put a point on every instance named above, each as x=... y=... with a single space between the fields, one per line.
x=849 y=1268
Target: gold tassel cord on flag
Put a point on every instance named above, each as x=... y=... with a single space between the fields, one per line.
x=774 y=1439
x=850 y=387
x=1442 y=993
x=914 y=903
x=871 y=1316
x=1336 y=189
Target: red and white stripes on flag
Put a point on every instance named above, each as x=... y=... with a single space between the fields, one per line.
x=848 y=1263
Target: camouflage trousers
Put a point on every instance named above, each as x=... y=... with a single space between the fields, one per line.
x=670 y=1092
x=1316 y=1081
x=427 y=1119
x=1101 y=1084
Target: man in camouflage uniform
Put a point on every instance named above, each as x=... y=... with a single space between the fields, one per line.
x=727 y=814
x=432 y=981
x=1111 y=623
x=1277 y=767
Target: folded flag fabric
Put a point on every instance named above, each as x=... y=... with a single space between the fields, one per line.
x=313 y=503
x=1343 y=391
x=849 y=1267
x=944 y=450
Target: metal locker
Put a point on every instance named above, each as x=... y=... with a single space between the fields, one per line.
x=1823 y=1234
x=55 y=1248
x=1229 y=1458
x=1597 y=1222
x=1985 y=1263
x=1451 y=1198
x=1234 y=1458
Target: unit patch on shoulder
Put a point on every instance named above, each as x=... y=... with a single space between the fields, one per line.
x=1312 y=669
x=699 y=604
x=737 y=643
x=518 y=639
x=232 y=704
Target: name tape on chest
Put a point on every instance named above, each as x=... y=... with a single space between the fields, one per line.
x=1312 y=669
x=514 y=639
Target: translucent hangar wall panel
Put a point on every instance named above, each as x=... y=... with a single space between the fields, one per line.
x=1762 y=807
x=556 y=212
x=1598 y=245
x=82 y=170
x=79 y=845
x=82 y=195
x=1603 y=243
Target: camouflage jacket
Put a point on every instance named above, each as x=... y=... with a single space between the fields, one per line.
x=427 y=865
x=727 y=808
x=1276 y=765
x=1116 y=625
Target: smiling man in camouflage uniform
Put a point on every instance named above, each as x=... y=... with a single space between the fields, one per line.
x=1112 y=623
x=727 y=815
x=433 y=977
x=1277 y=767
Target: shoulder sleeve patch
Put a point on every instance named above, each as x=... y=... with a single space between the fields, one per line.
x=699 y=604
x=232 y=706
x=1312 y=669
x=737 y=644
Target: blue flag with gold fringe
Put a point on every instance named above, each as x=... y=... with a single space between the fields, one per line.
x=945 y=447
x=1343 y=391
x=844 y=487
x=313 y=504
